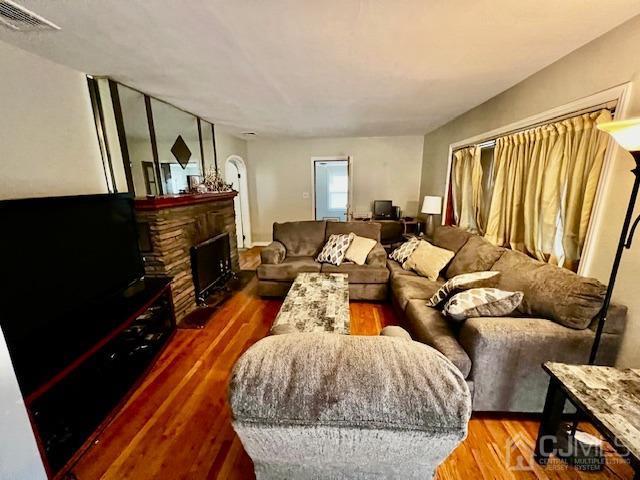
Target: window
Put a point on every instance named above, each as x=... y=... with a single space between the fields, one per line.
x=338 y=189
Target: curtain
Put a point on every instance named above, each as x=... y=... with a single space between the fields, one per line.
x=545 y=182
x=466 y=187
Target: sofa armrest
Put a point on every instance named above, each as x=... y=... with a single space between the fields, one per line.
x=273 y=254
x=616 y=320
x=377 y=256
x=507 y=354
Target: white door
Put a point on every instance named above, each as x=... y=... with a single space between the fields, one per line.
x=233 y=177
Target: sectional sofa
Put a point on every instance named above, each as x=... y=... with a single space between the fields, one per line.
x=500 y=357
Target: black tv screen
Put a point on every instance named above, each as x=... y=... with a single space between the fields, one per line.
x=63 y=258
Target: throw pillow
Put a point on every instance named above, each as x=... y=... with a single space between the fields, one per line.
x=463 y=282
x=482 y=302
x=335 y=249
x=404 y=251
x=359 y=249
x=427 y=260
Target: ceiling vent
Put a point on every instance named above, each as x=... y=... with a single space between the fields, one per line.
x=16 y=17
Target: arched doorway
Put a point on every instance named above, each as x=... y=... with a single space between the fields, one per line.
x=235 y=172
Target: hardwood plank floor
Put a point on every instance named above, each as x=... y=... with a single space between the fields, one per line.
x=176 y=425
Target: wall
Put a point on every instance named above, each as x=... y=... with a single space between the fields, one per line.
x=227 y=145
x=610 y=60
x=48 y=146
x=280 y=175
x=48 y=142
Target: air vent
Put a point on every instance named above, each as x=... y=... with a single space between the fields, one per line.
x=16 y=17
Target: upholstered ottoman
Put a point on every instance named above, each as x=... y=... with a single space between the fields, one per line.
x=324 y=406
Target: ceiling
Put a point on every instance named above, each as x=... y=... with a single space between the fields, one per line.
x=309 y=68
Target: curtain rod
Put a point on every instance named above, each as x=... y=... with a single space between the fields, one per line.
x=489 y=142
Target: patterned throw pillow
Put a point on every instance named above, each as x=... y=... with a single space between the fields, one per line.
x=463 y=282
x=404 y=251
x=335 y=249
x=482 y=302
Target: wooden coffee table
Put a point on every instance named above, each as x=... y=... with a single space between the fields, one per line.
x=317 y=302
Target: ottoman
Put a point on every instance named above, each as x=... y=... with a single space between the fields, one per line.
x=317 y=405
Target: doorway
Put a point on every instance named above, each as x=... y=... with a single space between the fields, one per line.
x=331 y=188
x=235 y=172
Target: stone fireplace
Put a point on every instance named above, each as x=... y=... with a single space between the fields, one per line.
x=171 y=225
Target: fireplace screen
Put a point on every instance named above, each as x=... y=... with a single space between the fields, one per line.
x=211 y=265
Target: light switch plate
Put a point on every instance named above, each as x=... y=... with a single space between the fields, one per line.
x=305 y=194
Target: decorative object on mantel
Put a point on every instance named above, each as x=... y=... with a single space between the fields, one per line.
x=215 y=183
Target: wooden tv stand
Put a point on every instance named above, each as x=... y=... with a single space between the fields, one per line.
x=72 y=407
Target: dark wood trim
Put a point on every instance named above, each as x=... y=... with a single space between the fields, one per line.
x=171 y=201
x=98 y=118
x=154 y=144
x=215 y=151
x=201 y=146
x=122 y=135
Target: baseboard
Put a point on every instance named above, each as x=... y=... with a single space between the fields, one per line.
x=259 y=244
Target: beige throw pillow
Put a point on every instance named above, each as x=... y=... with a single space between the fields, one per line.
x=482 y=302
x=427 y=260
x=359 y=249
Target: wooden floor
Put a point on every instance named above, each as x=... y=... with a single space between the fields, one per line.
x=176 y=425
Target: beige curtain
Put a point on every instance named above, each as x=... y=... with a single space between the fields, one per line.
x=466 y=186
x=545 y=182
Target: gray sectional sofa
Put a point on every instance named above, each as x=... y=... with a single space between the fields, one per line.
x=500 y=357
x=296 y=245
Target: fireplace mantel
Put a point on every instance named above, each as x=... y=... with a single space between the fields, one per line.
x=171 y=201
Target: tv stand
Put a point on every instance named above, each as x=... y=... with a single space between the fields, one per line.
x=69 y=409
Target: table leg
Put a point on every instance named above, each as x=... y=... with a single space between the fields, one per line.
x=551 y=417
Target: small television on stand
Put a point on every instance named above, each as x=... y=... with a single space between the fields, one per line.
x=383 y=210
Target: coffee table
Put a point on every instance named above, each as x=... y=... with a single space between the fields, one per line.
x=317 y=302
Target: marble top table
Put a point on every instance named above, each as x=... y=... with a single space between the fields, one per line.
x=317 y=302
x=607 y=396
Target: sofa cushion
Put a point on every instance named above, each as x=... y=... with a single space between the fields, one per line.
x=359 y=273
x=450 y=238
x=550 y=291
x=353 y=381
x=482 y=302
x=273 y=253
x=428 y=260
x=301 y=239
x=429 y=326
x=288 y=269
x=396 y=269
x=362 y=229
x=407 y=287
x=477 y=255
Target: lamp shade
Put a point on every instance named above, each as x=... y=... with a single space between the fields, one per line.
x=432 y=205
x=625 y=132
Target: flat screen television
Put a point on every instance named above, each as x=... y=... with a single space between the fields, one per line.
x=66 y=262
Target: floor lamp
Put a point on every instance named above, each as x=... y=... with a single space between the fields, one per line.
x=627 y=134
